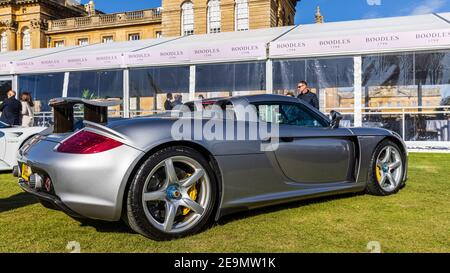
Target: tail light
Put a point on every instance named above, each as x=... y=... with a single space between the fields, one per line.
x=86 y=142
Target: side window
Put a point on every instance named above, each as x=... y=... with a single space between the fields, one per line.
x=288 y=114
x=209 y=106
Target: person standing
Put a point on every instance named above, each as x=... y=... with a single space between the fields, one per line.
x=178 y=100
x=27 y=109
x=306 y=95
x=11 y=109
x=168 y=102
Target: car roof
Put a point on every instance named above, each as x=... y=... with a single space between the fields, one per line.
x=255 y=99
x=259 y=98
x=249 y=98
x=267 y=98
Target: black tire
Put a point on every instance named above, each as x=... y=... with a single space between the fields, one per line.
x=373 y=186
x=135 y=214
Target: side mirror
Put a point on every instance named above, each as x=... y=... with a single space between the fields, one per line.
x=336 y=118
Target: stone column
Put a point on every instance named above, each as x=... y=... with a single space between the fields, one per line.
x=228 y=15
x=38 y=38
x=12 y=39
x=200 y=20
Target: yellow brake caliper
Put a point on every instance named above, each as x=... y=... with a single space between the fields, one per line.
x=378 y=173
x=193 y=194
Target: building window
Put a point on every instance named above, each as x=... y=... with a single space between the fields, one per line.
x=83 y=41
x=134 y=37
x=187 y=18
x=26 y=39
x=214 y=20
x=158 y=34
x=4 y=42
x=59 y=44
x=107 y=39
x=242 y=15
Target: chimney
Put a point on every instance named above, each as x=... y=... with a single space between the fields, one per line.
x=90 y=8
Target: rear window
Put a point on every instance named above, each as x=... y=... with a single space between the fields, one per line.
x=210 y=106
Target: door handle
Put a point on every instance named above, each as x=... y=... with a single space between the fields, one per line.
x=282 y=139
x=286 y=139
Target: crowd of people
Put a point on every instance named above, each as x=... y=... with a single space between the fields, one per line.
x=172 y=101
x=17 y=112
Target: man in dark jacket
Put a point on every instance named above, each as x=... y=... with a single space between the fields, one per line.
x=168 y=102
x=306 y=95
x=11 y=109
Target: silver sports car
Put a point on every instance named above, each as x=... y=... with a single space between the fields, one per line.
x=165 y=186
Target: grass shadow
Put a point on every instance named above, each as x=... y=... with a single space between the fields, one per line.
x=121 y=227
x=105 y=226
x=17 y=201
x=290 y=205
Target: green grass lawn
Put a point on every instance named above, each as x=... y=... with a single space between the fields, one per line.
x=415 y=220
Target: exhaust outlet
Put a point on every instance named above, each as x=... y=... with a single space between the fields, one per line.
x=35 y=181
x=16 y=171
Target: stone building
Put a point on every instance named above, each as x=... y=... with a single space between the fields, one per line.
x=26 y=24
x=181 y=17
x=23 y=23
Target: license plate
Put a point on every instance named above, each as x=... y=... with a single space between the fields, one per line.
x=26 y=172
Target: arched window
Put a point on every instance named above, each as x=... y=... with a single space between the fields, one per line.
x=241 y=15
x=187 y=18
x=26 y=39
x=4 y=42
x=214 y=20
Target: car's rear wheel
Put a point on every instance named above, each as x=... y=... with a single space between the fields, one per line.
x=173 y=194
x=387 y=169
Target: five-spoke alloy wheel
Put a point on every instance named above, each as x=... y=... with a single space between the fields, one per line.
x=172 y=195
x=388 y=168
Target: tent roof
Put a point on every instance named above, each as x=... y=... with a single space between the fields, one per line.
x=224 y=46
x=32 y=53
x=336 y=38
x=374 y=26
x=257 y=35
x=361 y=36
x=115 y=47
x=95 y=56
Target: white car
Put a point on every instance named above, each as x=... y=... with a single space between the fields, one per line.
x=11 y=139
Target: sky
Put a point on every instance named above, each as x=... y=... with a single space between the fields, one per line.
x=332 y=10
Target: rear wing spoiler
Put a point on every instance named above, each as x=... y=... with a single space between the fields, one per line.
x=94 y=111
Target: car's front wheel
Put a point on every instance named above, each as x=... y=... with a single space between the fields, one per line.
x=173 y=194
x=387 y=169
